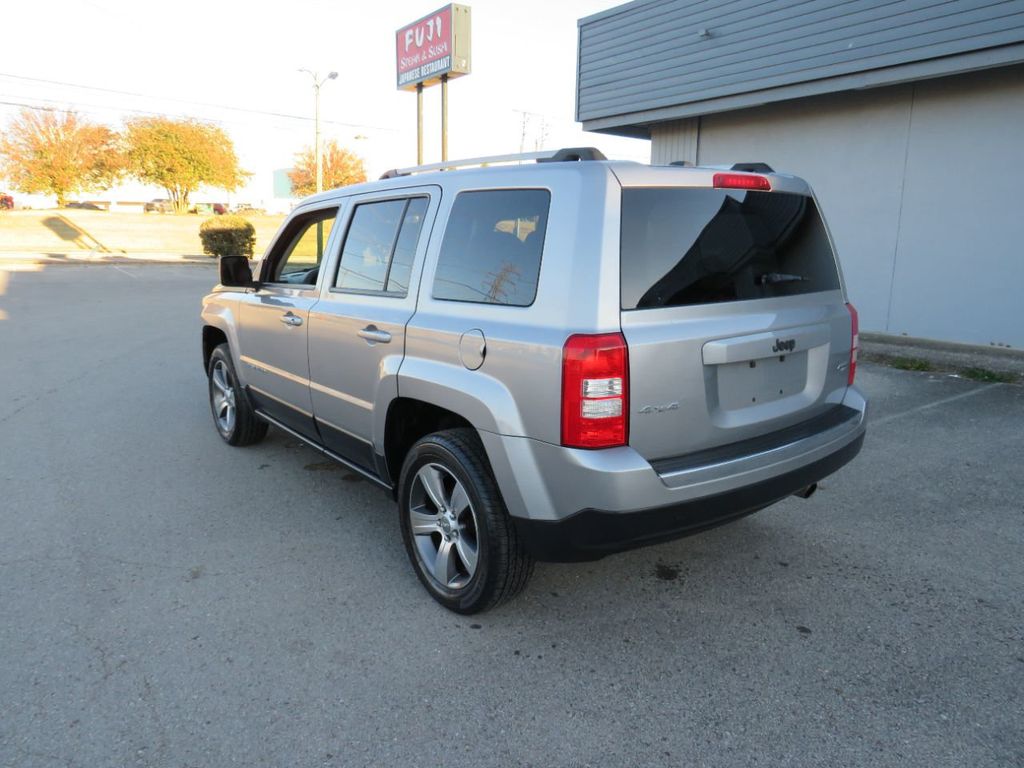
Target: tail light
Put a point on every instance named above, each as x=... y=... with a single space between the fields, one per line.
x=741 y=181
x=595 y=391
x=854 y=344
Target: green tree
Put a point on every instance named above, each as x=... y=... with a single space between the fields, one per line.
x=341 y=167
x=59 y=153
x=180 y=156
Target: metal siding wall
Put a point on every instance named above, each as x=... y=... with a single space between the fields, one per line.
x=928 y=235
x=674 y=141
x=959 y=264
x=649 y=54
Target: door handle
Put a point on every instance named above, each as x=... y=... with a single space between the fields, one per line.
x=373 y=335
x=291 y=319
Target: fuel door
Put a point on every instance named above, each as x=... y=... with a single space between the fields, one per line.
x=472 y=349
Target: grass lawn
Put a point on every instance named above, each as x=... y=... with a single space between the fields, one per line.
x=73 y=230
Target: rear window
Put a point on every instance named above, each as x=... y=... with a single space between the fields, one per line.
x=701 y=246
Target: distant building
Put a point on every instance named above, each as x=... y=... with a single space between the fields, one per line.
x=283 y=185
x=906 y=118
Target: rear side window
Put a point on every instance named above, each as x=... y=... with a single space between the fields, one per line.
x=492 y=247
x=701 y=246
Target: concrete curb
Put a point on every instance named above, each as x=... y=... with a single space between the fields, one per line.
x=948 y=356
x=80 y=258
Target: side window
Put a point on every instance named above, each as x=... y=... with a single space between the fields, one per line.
x=380 y=246
x=304 y=244
x=492 y=247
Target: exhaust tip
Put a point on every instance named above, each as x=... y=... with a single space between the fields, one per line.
x=806 y=493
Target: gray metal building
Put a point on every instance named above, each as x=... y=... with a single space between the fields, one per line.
x=906 y=117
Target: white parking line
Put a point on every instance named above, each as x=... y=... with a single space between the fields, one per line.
x=926 y=406
x=125 y=271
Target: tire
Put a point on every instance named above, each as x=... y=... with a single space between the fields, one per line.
x=233 y=414
x=474 y=525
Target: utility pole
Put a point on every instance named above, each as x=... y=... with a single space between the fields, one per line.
x=522 y=129
x=540 y=136
x=317 y=149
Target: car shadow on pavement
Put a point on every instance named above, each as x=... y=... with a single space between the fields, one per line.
x=693 y=569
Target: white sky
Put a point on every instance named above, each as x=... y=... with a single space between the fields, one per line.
x=188 y=57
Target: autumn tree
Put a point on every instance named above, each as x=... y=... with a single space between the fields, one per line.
x=59 y=153
x=181 y=156
x=341 y=167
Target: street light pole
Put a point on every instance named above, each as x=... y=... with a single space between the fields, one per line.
x=316 y=140
x=317 y=150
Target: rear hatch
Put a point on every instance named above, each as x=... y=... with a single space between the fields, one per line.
x=733 y=310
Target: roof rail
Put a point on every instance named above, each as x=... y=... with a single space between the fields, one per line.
x=753 y=167
x=572 y=154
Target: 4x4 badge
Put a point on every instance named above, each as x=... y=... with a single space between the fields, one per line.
x=659 y=408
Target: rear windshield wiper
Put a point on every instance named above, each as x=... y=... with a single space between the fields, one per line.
x=773 y=278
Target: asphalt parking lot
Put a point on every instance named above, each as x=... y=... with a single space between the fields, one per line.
x=168 y=601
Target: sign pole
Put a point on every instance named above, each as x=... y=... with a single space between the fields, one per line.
x=432 y=50
x=444 y=118
x=419 y=123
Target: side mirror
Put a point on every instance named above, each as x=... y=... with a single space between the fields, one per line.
x=235 y=272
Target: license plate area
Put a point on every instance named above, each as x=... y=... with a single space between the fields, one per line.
x=751 y=383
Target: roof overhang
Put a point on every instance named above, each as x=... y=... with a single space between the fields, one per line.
x=638 y=124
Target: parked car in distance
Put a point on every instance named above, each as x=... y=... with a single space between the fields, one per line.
x=208 y=208
x=249 y=210
x=158 y=205
x=550 y=361
x=6 y=203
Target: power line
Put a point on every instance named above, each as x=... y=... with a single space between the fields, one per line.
x=27 y=106
x=135 y=94
x=63 y=105
x=78 y=104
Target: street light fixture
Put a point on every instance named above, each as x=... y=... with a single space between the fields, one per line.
x=317 y=82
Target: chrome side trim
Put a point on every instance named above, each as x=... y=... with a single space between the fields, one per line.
x=267 y=368
x=325 y=390
x=326 y=452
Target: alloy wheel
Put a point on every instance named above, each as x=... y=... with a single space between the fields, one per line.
x=444 y=527
x=222 y=395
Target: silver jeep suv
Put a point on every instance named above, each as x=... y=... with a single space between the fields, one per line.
x=547 y=361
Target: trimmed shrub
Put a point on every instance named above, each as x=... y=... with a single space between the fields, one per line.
x=228 y=236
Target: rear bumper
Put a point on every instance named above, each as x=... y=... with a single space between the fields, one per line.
x=574 y=504
x=592 y=533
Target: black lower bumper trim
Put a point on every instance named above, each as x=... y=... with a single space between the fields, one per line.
x=592 y=533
